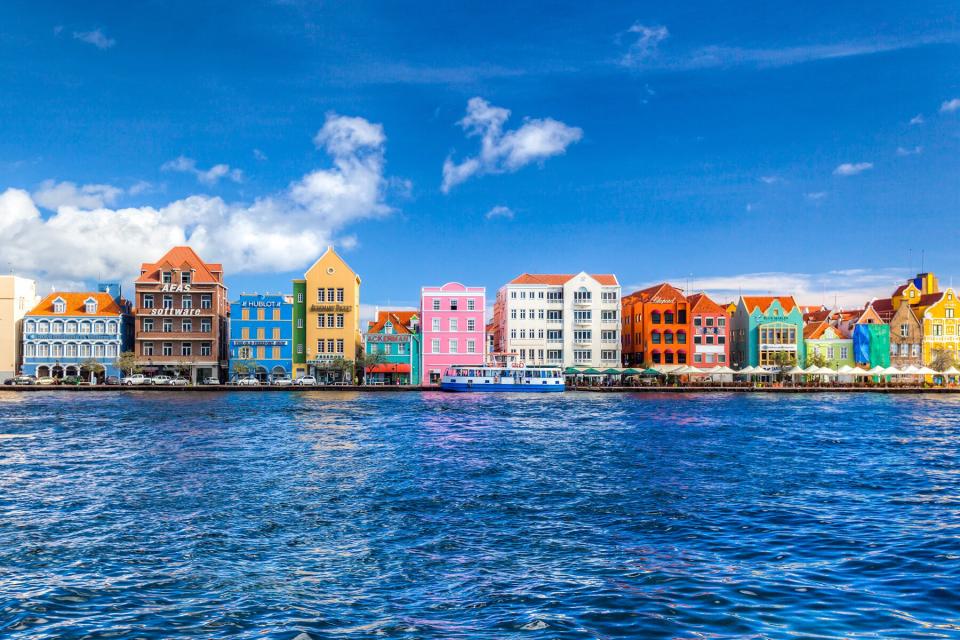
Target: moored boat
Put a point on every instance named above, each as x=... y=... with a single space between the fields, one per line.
x=513 y=377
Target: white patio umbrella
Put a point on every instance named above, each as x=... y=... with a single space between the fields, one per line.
x=727 y=370
x=927 y=371
x=952 y=371
x=893 y=371
x=911 y=370
x=876 y=371
x=847 y=370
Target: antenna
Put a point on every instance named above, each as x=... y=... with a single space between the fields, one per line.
x=922 y=252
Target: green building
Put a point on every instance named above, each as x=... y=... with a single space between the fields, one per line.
x=392 y=348
x=299 y=328
x=832 y=344
x=767 y=332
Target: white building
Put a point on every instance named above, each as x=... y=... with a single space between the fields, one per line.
x=560 y=319
x=17 y=297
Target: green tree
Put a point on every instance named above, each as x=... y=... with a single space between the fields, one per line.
x=365 y=360
x=783 y=360
x=816 y=359
x=91 y=367
x=244 y=368
x=941 y=360
x=128 y=364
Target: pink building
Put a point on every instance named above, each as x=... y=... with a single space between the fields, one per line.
x=453 y=325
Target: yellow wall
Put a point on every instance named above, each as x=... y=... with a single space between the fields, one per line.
x=331 y=272
x=937 y=316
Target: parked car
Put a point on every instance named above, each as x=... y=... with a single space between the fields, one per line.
x=25 y=380
x=160 y=380
x=179 y=382
x=282 y=381
x=137 y=378
x=73 y=381
x=111 y=380
x=8 y=382
x=248 y=382
x=211 y=380
x=46 y=381
x=306 y=381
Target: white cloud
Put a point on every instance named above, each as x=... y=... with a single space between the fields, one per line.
x=281 y=232
x=917 y=119
x=95 y=37
x=904 y=151
x=210 y=176
x=816 y=195
x=645 y=44
x=259 y=155
x=850 y=288
x=52 y=195
x=500 y=211
x=771 y=179
x=949 y=106
x=139 y=187
x=852 y=168
x=500 y=152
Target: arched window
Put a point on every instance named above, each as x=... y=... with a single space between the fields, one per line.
x=657 y=357
x=681 y=357
x=84 y=327
x=99 y=327
x=98 y=350
x=668 y=317
x=44 y=350
x=111 y=351
x=668 y=357
x=59 y=306
x=71 y=326
x=668 y=337
x=71 y=349
x=655 y=337
x=85 y=350
x=43 y=327
x=31 y=326
x=90 y=305
x=57 y=326
x=57 y=350
x=31 y=350
x=655 y=317
x=681 y=337
x=112 y=327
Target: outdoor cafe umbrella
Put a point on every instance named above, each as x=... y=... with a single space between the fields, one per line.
x=650 y=372
x=952 y=371
x=927 y=371
x=798 y=371
x=723 y=370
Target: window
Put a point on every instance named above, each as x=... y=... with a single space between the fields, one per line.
x=553 y=335
x=453 y=304
x=330 y=321
x=904 y=330
x=582 y=296
x=339 y=321
x=471 y=346
x=167 y=301
x=59 y=306
x=539 y=333
x=513 y=334
x=321 y=321
x=148 y=324
x=166 y=277
x=844 y=353
x=167 y=325
x=206 y=301
x=949 y=313
x=581 y=356
x=697 y=338
x=322 y=295
x=205 y=325
x=148 y=348
x=655 y=337
x=553 y=354
x=185 y=277
x=915 y=350
x=471 y=324
x=321 y=345
x=436 y=304
x=582 y=316
x=609 y=296
x=330 y=294
x=554 y=316
x=168 y=348
x=668 y=337
x=555 y=296
x=523 y=334
x=582 y=336
x=697 y=321
x=654 y=317
x=148 y=301
x=435 y=326
x=608 y=316
x=472 y=304
x=186 y=349
x=454 y=324
x=540 y=314
x=435 y=346
x=340 y=345
x=340 y=294
x=206 y=349
x=299 y=323
x=681 y=337
x=187 y=326
x=830 y=353
x=608 y=336
x=523 y=314
x=938 y=330
x=300 y=297
x=608 y=355
x=186 y=302
x=300 y=349
x=72 y=350
x=513 y=295
x=451 y=346
x=668 y=317
x=721 y=322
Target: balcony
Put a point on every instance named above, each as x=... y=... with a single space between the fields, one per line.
x=174 y=336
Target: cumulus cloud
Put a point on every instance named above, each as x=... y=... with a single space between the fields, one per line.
x=906 y=151
x=53 y=195
x=506 y=151
x=209 y=177
x=852 y=168
x=917 y=119
x=646 y=41
x=850 y=288
x=500 y=211
x=950 y=106
x=96 y=37
x=281 y=232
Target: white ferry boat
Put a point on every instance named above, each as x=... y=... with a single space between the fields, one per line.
x=503 y=377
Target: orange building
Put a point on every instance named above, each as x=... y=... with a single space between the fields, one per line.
x=656 y=327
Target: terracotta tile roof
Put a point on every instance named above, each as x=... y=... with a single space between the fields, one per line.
x=76 y=304
x=662 y=291
x=815 y=330
x=703 y=303
x=900 y=289
x=930 y=298
x=882 y=305
x=764 y=302
x=180 y=258
x=399 y=319
x=557 y=279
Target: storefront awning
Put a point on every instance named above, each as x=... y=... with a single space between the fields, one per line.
x=389 y=368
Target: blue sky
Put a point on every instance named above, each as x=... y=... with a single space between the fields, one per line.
x=807 y=148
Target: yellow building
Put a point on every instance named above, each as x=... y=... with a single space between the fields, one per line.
x=331 y=313
x=941 y=329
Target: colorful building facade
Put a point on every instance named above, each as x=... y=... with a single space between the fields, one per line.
x=829 y=342
x=331 y=312
x=393 y=339
x=453 y=328
x=17 y=297
x=656 y=327
x=766 y=331
x=68 y=329
x=181 y=317
x=261 y=336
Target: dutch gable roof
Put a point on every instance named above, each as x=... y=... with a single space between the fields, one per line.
x=184 y=259
x=76 y=305
x=763 y=303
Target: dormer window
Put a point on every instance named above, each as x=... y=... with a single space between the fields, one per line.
x=90 y=305
x=59 y=306
x=185 y=277
x=910 y=293
x=166 y=277
x=388 y=328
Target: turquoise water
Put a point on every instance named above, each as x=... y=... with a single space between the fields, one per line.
x=349 y=515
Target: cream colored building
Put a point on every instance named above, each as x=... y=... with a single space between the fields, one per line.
x=331 y=315
x=17 y=297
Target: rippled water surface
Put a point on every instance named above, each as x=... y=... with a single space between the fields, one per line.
x=266 y=515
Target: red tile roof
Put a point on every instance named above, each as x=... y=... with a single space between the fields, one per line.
x=661 y=292
x=557 y=279
x=815 y=330
x=76 y=304
x=183 y=258
x=764 y=302
x=399 y=319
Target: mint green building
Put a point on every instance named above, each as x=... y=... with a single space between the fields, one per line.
x=392 y=348
x=832 y=343
x=763 y=327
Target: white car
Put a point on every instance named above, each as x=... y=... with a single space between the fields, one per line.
x=248 y=382
x=179 y=382
x=137 y=378
x=282 y=381
x=211 y=380
x=306 y=381
x=160 y=380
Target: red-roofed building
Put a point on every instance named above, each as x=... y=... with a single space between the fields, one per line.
x=392 y=347
x=570 y=320
x=656 y=327
x=181 y=316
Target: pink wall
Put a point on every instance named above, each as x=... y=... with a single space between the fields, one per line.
x=464 y=296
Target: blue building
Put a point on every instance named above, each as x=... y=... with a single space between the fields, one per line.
x=261 y=336
x=69 y=328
